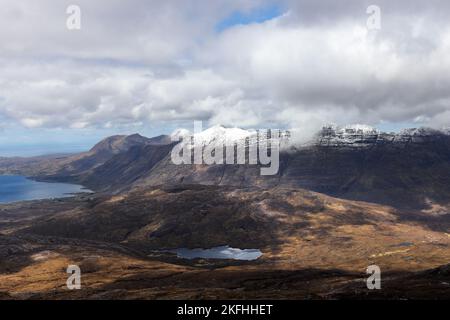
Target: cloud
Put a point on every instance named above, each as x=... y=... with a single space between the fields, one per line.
x=154 y=62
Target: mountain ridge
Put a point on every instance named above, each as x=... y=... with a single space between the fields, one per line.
x=409 y=168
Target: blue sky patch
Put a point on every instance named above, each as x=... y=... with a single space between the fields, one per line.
x=258 y=15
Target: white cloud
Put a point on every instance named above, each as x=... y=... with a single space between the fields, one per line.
x=150 y=62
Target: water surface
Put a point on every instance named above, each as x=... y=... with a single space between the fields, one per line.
x=223 y=252
x=19 y=188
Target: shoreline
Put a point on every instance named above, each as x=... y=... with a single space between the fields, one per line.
x=78 y=190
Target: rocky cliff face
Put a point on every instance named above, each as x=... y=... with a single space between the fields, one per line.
x=365 y=136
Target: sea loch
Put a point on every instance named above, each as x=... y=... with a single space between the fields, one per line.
x=15 y=188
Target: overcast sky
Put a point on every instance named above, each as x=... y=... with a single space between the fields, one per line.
x=152 y=66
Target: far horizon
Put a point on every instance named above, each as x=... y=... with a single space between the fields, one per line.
x=76 y=142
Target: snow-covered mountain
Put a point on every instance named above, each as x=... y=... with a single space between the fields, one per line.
x=359 y=162
x=356 y=135
x=220 y=135
x=223 y=136
x=363 y=135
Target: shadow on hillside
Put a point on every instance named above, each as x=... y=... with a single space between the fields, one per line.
x=282 y=284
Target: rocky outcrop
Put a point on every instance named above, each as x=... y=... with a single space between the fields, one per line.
x=364 y=136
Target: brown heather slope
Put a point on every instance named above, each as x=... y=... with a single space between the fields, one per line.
x=314 y=246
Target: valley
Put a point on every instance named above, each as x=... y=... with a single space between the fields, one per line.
x=313 y=246
x=330 y=213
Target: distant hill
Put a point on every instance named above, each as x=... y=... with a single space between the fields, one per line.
x=72 y=167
